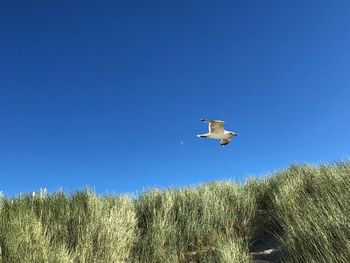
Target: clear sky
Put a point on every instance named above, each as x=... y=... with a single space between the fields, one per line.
x=109 y=94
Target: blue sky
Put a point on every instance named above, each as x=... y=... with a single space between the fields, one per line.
x=100 y=94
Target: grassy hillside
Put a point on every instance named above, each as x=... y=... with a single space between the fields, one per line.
x=298 y=215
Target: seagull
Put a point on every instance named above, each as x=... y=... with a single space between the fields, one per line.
x=216 y=131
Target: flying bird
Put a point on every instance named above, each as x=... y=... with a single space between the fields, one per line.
x=216 y=131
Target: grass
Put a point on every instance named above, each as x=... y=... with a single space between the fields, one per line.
x=304 y=210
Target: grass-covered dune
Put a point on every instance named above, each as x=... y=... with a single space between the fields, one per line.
x=301 y=214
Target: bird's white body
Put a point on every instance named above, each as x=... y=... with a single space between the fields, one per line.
x=217 y=136
x=217 y=132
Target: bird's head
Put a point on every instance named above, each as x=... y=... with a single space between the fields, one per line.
x=234 y=134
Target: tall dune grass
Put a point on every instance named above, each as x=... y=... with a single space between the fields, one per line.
x=304 y=209
x=61 y=228
x=206 y=224
x=313 y=207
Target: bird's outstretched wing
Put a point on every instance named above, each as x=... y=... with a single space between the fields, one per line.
x=215 y=126
x=225 y=142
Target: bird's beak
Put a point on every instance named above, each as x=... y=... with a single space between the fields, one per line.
x=236 y=134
